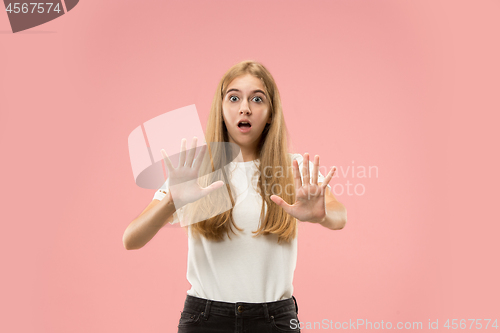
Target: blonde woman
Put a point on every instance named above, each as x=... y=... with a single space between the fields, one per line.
x=241 y=260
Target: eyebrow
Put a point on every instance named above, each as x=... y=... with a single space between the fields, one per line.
x=255 y=91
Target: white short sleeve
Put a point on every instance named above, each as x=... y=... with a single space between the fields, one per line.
x=300 y=160
x=162 y=193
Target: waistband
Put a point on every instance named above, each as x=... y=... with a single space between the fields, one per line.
x=240 y=309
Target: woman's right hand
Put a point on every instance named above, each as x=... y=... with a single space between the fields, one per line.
x=187 y=175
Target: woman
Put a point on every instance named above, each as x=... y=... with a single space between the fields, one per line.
x=241 y=280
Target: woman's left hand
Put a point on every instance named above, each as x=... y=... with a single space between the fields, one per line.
x=309 y=203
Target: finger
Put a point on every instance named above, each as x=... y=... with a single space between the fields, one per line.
x=296 y=175
x=182 y=155
x=199 y=158
x=328 y=177
x=314 y=174
x=280 y=202
x=190 y=155
x=166 y=160
x=212 y=187
x=305 y=169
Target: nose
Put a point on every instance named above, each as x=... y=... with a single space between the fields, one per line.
x=244 y=109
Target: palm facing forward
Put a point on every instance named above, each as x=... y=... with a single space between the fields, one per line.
x=309 y=196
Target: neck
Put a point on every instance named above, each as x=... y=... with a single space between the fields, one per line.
x=248 y=157
x=248 y=154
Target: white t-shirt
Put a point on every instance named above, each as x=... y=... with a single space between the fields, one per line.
x=243 y=268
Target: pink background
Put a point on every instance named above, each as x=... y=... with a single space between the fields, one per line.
x=410 y=87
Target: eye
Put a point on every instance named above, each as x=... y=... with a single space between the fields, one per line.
x=232 y=100
x=260 y=99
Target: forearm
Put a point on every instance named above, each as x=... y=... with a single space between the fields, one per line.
x=336 y=216
x=146 y=226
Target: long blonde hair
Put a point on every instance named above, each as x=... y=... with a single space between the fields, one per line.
x=272 y=152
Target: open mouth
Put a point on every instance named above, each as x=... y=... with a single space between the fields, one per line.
x=244 y=124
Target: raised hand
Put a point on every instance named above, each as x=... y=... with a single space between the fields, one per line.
x=309 y=203
x=183 y=180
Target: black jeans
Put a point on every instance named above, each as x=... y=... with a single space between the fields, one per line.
x=207 y=316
